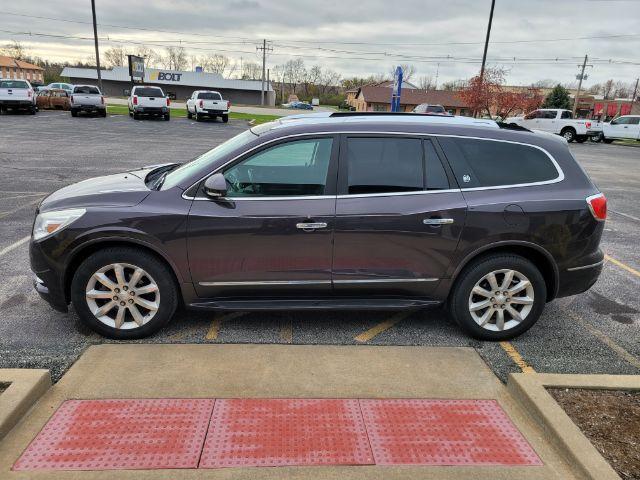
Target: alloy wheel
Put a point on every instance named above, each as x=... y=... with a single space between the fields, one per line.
x=122 y=296
x=501 y=300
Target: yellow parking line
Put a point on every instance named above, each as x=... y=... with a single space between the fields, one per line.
x=382 y=327
x=622 y=353
x=214 y=329
x=622 y=265
x=516 y=357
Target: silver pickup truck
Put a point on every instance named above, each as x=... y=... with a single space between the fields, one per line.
x=17 y=95
x=89 y=99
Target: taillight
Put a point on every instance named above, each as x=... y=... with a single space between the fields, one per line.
x=168 y=101
x=598 y=206
x=228 y=104
x=588 y=124
x=102 y=100
x=29 y=93
x=135 y=100
x=201 y=103
x=71 y=99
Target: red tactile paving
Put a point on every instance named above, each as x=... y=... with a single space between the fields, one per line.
x=278 y=432
x=120 y=434
x=444 y=432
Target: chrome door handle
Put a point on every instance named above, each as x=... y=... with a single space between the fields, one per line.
x=437 y=221
x=311 y=226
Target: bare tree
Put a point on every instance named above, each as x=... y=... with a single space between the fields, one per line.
x=176 y=58
x=408 y=71
x=455 y=85
x=251 y=71
x=426 y=82
x=622 y=90
x=329 y=80
x=607 y=89
x=151 y=57
x=294 y=72
x=115 y=57
x=216 y=63
x=15 y=50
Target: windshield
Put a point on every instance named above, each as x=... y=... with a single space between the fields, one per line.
x=209 y=96
x=13 y=84
x=148 y=92
x=185 y=171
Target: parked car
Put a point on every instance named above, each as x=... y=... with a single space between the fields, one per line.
x=207 y=103
x=53 y=99
x=150 y=101
x=89 y=99
x=430 y=109
x=342 y=211
x=17 y=95
x=298 y=105
x=67 y=87
x=626 y=127
x=560 y=122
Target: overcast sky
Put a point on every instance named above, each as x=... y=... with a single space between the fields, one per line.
x=356 y=38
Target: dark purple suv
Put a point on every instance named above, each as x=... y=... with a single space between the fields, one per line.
x=336 y=211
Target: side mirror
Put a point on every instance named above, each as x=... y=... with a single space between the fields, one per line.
x=215 y=186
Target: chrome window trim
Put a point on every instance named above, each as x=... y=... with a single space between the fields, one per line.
x=386 y=280
x=583 y=267
x=559 y=178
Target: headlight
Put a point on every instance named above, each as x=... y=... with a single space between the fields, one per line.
x=49 y=223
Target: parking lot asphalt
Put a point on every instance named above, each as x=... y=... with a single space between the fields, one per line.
x=596 y=332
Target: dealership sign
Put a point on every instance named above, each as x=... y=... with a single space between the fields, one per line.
x=136 y=68
x=165 y=76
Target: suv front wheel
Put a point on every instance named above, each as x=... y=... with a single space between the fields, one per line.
x=498 y=297
x=124 y=293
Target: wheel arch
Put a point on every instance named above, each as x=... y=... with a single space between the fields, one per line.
x=89 y=248
x=540 y=257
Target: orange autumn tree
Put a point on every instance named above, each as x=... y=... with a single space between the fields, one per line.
x=489 y=97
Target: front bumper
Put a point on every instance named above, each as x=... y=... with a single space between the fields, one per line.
x=46 y=281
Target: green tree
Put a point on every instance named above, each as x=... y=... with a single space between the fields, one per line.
x=558 y=98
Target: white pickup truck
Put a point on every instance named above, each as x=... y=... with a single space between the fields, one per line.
x=17 y=95
x=87 y=98
x=560 y=122
x=626 y=127
x=150 y=101
x=208 y=103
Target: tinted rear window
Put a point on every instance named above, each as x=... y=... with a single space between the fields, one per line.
x=488 y=163
x=381 y=165
x=87 y=90
x=435 y=109
x=13 y=84
x=209 y=96
x=148 y=92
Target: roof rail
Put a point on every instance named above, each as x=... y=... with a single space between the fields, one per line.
x=388 y=114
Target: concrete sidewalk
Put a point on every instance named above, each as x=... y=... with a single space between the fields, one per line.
x=272 y=371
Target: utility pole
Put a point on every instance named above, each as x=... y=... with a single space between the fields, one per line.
x=264 y=49
x=580 y=78
x=635 y=92
x=267 y=89
x=486 y=41
x=95 y=38
x=437 y=73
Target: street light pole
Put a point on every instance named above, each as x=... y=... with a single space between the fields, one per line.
x=95 y=38
x=486 y=41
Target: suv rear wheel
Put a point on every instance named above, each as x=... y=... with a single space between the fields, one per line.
x=124 y=293
x=498 y=297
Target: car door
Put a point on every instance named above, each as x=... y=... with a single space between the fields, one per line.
x=42 y=100
x=271 y=235
x=617 y=128
x=398 y=217
x=634 y=128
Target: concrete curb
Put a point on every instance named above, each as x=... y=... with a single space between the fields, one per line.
x=530 y=391
x=25 y=388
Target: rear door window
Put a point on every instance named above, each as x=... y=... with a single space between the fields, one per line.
x=383 y=165
x=490 y=163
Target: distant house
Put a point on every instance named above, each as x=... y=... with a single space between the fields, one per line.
x=14 y=69
x=377 y=98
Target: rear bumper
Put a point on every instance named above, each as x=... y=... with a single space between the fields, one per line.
x=151 y=110
x=581 y=277
x=17 y=103
x=88 y=108
x=212 y=112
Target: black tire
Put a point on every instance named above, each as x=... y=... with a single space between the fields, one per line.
x=166 y=117
x=596 y=138
x=32 y=111
x=130 y=113
x=198 y=117
x=225 y=118
x=136 y=116
x=103 y=113
x=607 y=140
x=569 y=134
x=74 y=113
x=472 y=273
x=189 y=114
x=140 y=258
